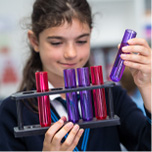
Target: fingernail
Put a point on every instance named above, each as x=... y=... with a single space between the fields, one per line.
x=129 y=41
x=123 y=55
x=81 y=131
x=69 y=125
x=61 y=121
x=76 y=127
x=124 y=48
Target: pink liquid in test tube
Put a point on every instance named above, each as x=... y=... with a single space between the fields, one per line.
x=43 y=101
x=98 y=94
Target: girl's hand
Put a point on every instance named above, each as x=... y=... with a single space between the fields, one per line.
x=57 y=131
x=139 y=61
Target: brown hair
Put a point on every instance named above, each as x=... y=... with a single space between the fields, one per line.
x=46 y=14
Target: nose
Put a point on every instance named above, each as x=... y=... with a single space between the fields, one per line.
x=70 y=51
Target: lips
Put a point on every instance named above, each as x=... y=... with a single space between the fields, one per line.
x=68 y=64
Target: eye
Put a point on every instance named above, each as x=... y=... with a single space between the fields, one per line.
x=81 y=42
x=56 y=43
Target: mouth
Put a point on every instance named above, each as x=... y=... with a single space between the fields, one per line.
x=68 y=64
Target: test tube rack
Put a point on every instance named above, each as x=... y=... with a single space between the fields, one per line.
x=31 y=130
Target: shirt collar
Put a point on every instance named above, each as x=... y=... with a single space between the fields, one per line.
x=53 y=96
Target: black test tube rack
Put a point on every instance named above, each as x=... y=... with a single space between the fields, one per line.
x=31 y=130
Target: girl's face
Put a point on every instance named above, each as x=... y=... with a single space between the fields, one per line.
x=63 y=47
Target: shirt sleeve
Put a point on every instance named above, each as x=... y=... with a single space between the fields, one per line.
x=135 y=130
x=8 y=120
x=148 y=115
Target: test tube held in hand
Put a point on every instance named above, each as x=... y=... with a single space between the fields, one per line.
x=118 y=67
x=71 y=97
x=98 y=94
x=43 y=101
x=85 y=96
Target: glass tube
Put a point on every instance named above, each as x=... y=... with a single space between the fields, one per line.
x=71 y=97
x=43 y=101
x=98 y=94
x=85 y=96
x=118 y=67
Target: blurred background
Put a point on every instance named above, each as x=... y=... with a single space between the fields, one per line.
x=111 y=18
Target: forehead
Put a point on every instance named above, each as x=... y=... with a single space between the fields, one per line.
x=73 y=29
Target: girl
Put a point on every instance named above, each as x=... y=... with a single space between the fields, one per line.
x=60 y=39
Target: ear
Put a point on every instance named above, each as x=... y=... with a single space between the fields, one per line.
x=33 y=40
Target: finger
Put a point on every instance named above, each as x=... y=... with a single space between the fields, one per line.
x=76 y=140
x=64 y=118
x=138 y=41
x=136 y=49
x=135 y=58
x=71 y=136
x=118 y=46
x=53 y=129
x=61 y=133
x=138 y=66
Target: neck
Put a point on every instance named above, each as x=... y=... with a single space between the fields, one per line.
x=56 y=81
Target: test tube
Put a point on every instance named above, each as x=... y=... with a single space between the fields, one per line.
x=118 y=67
x=85 y=96
x=43 y=101
x=98 y=94
x=71 y=97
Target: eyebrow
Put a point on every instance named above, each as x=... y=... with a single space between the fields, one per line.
x=83 y=35
x=60 y=38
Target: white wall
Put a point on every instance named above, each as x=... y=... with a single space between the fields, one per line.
x=11 y=36
x=113 y=17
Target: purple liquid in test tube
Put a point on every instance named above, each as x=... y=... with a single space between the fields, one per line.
x=118 y=67
x=71 y=97
x=85 y=96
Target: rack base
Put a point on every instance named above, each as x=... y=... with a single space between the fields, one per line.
x=33 y=130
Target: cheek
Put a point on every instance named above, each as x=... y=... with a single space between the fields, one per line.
x=85 y=54
x=48 y=58
x=47 y=53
